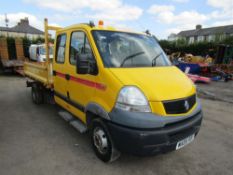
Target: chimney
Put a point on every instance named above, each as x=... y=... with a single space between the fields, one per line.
x=198 y=27
x=24 y=21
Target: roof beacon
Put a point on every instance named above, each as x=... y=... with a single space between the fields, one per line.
x=101 y=23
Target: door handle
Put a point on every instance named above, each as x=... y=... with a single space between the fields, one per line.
x=54 y=73
x=67 y=77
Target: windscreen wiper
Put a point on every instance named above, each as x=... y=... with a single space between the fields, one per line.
x=154 y=59
x=130 y=57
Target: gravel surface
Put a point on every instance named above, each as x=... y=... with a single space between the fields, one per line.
x=34 y=140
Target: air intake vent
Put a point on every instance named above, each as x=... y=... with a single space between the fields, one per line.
x=179 y=106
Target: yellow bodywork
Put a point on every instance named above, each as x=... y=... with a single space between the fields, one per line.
x=39 y=72
x=157 y=83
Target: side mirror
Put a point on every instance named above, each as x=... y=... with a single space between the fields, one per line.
x=86 y=64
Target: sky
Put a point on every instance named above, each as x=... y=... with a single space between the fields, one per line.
x=160 y=17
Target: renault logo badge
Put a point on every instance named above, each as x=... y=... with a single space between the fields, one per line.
x=186 y=105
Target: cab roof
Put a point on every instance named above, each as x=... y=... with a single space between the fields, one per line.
x=89 y=27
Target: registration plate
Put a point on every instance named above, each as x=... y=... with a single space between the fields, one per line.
x=184 y=142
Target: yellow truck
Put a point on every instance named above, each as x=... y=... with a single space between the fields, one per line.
x=121 y=87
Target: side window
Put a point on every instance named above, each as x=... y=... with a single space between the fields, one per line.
x=79 y=44
x=61 y=45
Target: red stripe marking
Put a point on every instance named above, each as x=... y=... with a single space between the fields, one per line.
x=88 y=83
x=60 y=75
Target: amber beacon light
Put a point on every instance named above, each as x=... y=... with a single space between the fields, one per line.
x=101 y=23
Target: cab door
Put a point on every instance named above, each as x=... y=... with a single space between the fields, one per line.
x=60 y=70
x=81 y=87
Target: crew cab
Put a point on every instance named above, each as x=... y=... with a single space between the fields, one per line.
x=120 y=87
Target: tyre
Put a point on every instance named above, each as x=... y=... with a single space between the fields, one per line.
x=37 y=94
x=1 y=68
x=102 y=143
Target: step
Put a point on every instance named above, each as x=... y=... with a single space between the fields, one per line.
x=76 y=123
x=79 y=126
x=66 y=115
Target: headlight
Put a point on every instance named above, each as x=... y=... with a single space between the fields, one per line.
x=132 y=99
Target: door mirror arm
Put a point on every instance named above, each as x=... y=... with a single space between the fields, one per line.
x=86 y=64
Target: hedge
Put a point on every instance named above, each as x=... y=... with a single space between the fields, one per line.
x=200 y=48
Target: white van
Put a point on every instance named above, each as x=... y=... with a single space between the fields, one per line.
x=37 y=52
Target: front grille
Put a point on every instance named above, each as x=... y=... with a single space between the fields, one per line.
x=179 y=106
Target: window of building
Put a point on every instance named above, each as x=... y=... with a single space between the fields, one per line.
x=61 y=45
x=222 y=36
x=210 y=38
x=200 y=38
x=191 y=40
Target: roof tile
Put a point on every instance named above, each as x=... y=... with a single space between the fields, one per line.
x=207 y=31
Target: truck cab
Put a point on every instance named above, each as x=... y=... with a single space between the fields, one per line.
x=122 y=87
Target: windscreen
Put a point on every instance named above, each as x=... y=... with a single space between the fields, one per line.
x=120 y=49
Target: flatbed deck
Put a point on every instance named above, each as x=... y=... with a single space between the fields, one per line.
x=39 y=72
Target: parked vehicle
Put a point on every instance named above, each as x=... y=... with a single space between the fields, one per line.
x=121 y=87
x=37 y=52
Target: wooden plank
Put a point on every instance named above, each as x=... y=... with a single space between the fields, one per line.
x=19 y=49
x=3 y=49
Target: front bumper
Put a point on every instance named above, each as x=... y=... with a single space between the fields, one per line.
x=140 y=141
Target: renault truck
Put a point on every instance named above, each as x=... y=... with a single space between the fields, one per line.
x=119 y=87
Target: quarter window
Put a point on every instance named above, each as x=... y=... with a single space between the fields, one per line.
x=61 y=45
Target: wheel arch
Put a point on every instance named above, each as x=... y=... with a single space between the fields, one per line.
x=94 y=110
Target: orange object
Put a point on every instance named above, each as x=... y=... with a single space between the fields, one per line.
x=197 y=78
x=101 y=23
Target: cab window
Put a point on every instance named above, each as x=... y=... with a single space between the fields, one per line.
x=61 y=45
x=79 y=44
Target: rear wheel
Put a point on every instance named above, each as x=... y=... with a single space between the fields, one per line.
x=1 y=68
x=102 y=143
x=37 y=94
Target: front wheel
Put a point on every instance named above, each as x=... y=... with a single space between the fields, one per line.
x=102 y=143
